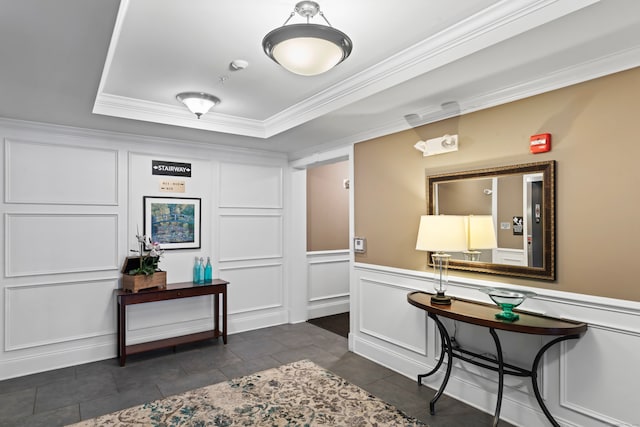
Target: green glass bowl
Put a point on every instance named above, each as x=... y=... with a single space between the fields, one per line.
x=507 y=300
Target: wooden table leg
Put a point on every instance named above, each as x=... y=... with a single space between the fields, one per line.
x=216 y=313
x=224 y=314
x=122 y=338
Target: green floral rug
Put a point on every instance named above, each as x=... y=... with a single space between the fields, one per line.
x=297 y=394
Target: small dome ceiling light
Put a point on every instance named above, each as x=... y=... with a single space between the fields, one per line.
x=198 y=103
x=307 y=49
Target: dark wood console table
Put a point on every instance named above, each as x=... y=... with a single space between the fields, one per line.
x=172 y=291
x=484 y=315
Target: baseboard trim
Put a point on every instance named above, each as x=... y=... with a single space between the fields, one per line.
x=42 y=362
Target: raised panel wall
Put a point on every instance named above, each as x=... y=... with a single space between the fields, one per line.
x=45 y=314
x=587 y=382
x=38 y=244
x=72 y=205
x=250 y=186
x=250 y=235
x=53 y=174
x=245 y=236
x=328 y=283
x=256 y=287
x=597 y=363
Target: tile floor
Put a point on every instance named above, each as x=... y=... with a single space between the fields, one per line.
x=67 y=395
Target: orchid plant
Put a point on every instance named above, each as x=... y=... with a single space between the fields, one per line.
x=150 y=253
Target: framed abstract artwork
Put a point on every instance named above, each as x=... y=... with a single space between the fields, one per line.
x=174 y=222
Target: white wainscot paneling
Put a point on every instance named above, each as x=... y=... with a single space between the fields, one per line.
x=252 y=288
x=250 y=186
x=328 y=283
x=509 y=256
x=604 y=359
x=517 y=349
x=385 y=314
x=46 y=314
x=59 y=243
x=163 y=319
x=55 y=174
x=244 y=237
x=328 y=278
x=585 y=382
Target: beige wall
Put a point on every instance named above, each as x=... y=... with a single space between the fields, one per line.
x=510 y=196
x=595 y=142
x=327 y=207
x=464 y=197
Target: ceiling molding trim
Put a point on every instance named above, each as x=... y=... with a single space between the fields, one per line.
x=56 y=133
x=585 y=71
x=120 y=106
x=494 y=24
x=497 y=23
x=113 y=43
x=322 y=157
x=580 y=73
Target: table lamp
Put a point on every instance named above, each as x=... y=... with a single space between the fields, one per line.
x=480 y=235
x=437 y=234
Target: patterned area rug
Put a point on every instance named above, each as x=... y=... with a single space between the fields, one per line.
x=297 y=394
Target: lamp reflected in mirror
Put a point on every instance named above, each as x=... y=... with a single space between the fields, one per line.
x=481 y=234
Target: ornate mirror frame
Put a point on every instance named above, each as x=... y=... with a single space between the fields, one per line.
x=548 y=216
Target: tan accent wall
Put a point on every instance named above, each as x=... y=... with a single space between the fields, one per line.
x=594 y=127
x=327 y=207
x=464 y=197
x=510 y=196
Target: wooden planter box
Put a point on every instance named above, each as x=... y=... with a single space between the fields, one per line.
x=135 y=283
x=140 y=281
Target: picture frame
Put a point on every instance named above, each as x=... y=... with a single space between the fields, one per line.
x=174 y=222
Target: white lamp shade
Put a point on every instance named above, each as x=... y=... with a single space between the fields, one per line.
x=480 y=232
x=441 y=233
x=307 y=49
x=198 y=103
x=307 y=56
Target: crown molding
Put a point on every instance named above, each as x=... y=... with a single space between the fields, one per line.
x=56 y=133
x=504 y=19
x=137 y=109
x=579 y=73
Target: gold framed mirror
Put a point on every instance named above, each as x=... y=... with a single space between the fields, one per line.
x=519 y=201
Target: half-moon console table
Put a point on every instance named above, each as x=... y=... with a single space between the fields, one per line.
x=484 y=315
x=173 y=291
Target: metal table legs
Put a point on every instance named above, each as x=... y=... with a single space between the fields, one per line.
x=498 y=366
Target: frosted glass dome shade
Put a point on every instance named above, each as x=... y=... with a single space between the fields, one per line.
x=307 y=49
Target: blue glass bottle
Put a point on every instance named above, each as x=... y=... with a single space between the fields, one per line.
x=201 y=271
x=196 y=271
x=208 y=272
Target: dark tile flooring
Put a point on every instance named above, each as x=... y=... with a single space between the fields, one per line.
x=337 y=323
x=68 y=395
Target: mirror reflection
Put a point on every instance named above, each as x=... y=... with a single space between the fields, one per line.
x=510 y=217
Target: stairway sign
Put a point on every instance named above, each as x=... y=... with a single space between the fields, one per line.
x=159 y=167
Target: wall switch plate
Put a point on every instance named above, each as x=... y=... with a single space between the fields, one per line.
x=359 y=245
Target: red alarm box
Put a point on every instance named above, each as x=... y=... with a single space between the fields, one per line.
x=540 y=143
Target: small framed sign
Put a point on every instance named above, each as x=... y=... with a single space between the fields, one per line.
x=172 y=186
x=160 y=167
x=517 y=226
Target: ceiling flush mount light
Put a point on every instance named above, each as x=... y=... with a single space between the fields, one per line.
x=198 y=102
x=307 y=49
